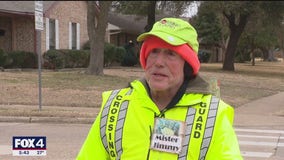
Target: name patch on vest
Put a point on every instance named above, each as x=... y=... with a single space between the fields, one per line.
x=167 y=135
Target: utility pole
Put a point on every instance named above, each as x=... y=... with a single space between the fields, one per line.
x=39 y=28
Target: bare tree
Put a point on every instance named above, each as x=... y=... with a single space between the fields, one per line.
x=97 y=19
x=151 y=9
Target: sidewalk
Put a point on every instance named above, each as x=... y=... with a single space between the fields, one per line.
x=267 y=116
x=49 y=114
x=264 y=112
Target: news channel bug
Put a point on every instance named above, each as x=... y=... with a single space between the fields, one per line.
x=29 y=146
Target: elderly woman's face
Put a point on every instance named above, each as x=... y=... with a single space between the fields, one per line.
x=164 y=70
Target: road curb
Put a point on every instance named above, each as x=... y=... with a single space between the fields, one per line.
x=47 y=119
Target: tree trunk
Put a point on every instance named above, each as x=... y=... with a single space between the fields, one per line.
x=151 y=15
x=224 y=44
x=97 y=22
x=253 y=58
x=231 y=48
x=235 y=33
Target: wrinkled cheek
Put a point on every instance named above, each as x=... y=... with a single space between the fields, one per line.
x=149 y=64
x=147 y=75
x=148 y=68
x=178 y=78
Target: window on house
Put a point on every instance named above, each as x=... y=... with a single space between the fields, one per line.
x=74 y=35
x=51 y=34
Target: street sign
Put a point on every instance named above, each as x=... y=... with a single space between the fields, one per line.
x=38 y=15
x=38 y=20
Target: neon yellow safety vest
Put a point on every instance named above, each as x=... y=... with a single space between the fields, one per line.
x=123 y=128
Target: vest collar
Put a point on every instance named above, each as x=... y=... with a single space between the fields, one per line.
x=197 y=85
x=196 y=88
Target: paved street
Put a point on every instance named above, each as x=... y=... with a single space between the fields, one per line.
x=65 y=140
x=261 y=144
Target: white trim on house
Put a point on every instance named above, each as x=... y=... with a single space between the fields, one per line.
x=110 y=30
x=56 y=34
x=70 y=36
x=78 y=36
x=46 y=34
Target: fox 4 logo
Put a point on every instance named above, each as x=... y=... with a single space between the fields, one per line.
x=26 y=143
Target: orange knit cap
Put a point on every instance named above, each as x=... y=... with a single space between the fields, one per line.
x=184 y=50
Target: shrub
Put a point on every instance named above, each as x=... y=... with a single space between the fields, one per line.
x=119 y=54
x=21 y=59
x=65 y=58
x=54 y=59
x=3 y=58
x=76 y=58
x=109 y=53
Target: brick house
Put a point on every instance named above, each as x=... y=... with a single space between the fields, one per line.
x=65 y=25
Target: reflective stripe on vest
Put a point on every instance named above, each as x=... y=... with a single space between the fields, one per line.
x=112 y=120
x=110 y=139
x=207 y=137
x=189 y=123
x=207 y=132
x=104 y=118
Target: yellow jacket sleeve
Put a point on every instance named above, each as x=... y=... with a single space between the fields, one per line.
x=225 y=143
x=93 y=148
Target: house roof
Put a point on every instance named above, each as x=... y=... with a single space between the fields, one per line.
x=132 y=24
x=22 y=7
x=127 y=23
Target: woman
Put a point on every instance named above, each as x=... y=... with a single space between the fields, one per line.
x=170 y=114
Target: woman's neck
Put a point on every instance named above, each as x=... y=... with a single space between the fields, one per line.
x=162 y=98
